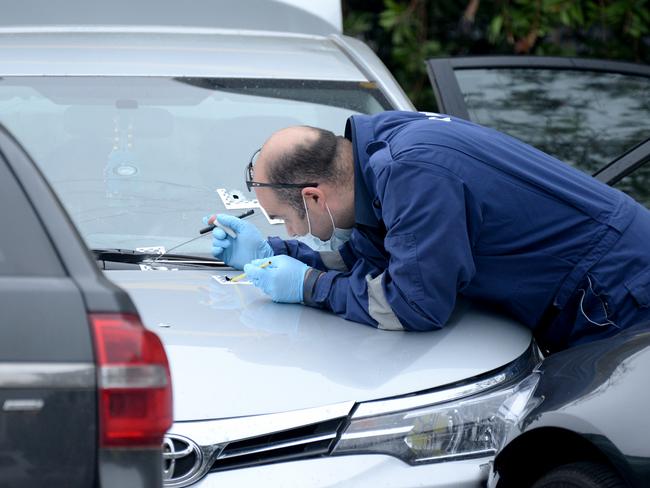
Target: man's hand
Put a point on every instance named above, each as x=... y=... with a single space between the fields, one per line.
x=282 y=280
x=237 y=251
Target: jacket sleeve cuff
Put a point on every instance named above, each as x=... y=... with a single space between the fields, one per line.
x=309 y=287
x=278 y=246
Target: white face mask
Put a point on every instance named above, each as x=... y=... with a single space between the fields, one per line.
x=336 y=240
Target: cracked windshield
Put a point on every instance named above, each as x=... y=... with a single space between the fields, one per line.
x=138 y=162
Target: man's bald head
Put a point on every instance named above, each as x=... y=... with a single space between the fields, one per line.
x=304 y=154
x=287 y=140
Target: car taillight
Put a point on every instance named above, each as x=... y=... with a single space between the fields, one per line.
x=135 y=393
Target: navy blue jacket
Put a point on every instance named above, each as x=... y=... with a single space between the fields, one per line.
x=446 y=207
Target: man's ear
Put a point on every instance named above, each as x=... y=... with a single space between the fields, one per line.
x=314 y=194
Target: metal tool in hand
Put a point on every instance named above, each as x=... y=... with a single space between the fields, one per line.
x=206 y=230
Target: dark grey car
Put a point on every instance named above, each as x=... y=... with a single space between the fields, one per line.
x=85 y=389
x=587 y=424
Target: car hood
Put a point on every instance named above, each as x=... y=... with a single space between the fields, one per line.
x=233 y=352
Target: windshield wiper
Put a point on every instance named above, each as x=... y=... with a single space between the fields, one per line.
x=137 y=257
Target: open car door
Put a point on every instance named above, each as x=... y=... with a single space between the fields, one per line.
x=592 y=114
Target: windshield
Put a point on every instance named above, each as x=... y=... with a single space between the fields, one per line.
x=138 y=162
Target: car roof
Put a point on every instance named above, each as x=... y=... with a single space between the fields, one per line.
x=173 y=51
x=320 y=17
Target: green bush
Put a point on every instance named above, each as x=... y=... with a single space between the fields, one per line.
x=405 y=33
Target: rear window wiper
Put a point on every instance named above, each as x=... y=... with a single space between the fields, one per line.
x=138 y=257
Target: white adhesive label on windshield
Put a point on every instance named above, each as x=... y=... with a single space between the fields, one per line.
x=235 y=200
x=151 y=250
x=155 y=267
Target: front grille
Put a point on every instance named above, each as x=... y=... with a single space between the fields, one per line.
x=299 y=443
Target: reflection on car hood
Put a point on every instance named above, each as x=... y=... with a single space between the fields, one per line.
x=233 y=352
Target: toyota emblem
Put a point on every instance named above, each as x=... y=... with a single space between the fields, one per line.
x=182 y=460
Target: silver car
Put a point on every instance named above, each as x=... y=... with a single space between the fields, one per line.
x=143 y=118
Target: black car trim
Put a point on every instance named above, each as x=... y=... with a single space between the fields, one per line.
x=625 y=164
x=446 y=88
x=551 y=62
x=280 y=87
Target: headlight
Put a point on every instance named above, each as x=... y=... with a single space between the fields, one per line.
x=472 y=426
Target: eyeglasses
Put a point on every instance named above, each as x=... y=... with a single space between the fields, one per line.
x=250 y=183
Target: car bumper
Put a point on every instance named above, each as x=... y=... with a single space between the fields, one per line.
x=354 y=471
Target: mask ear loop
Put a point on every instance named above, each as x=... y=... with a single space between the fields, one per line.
x=327 y=207
x=331 y=218
x=306 y=213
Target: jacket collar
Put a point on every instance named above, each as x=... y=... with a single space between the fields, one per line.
x=359 y=131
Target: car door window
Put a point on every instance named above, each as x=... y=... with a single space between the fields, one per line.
x=25 y=249
x=586 y=117
x=582 y=117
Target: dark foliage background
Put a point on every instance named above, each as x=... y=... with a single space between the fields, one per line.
x=406 y=32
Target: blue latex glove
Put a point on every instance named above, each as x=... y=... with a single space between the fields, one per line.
x=282 y=280
x=236 y=252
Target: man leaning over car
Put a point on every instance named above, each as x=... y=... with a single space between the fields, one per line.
x=410 y=209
